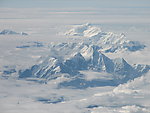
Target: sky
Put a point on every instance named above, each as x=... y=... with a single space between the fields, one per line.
x=113 y=15
x=75 y=3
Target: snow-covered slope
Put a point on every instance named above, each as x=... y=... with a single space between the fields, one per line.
x=85 y=30
x=107 y=41
x=10 y=32
x=71 y=58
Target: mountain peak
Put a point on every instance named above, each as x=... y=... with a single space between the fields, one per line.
x=107 y=41
x=85 y=30
x=10 y=32
x=83 y=58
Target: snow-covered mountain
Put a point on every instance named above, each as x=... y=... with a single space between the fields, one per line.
x=71 y=58
x=107 y=41
x=10 y=32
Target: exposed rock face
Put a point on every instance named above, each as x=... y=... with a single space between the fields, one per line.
x=73 y=58
x=83 y=58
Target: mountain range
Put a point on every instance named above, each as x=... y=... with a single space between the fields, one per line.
x=72 y=58
x=10 y=32
x=84 y=63
x=107 y=41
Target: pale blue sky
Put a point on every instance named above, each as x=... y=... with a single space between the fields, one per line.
x=75 y=3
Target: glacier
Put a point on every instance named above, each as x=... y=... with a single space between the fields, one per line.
x=83 y=73
x=107 y=41
x=72 y=58
x=67 y=65
x=76 y=74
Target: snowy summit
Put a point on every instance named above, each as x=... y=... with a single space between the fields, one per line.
x=107 y=41
x=10 y=32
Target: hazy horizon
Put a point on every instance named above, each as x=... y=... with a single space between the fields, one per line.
x=75 y=3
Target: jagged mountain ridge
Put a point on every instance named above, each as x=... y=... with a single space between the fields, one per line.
x=71 y=58
x=107 y=41
x=81 y=58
